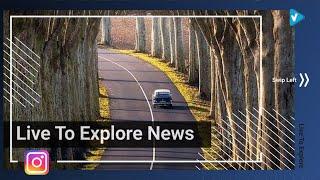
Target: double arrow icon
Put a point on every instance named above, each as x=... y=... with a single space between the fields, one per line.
x=304 y=82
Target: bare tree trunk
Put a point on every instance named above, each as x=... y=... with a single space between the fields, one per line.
x=221 y=114
x=193 y=77
x=284 y=67
x=165 y=38
x=246 y=39
x=213 y=83
x=106 y=31
x=140 y=37
x=155 y=38
x=178 y=37
x=203 y=57
x=232 y=72
x=172 y=43
x=269 y=145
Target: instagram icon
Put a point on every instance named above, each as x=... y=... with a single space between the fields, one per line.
x=36 y=162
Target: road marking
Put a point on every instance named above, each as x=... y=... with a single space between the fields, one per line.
x=154 y=149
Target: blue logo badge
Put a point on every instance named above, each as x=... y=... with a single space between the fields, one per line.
x=295 y=17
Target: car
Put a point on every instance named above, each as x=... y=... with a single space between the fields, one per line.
x=162 y=97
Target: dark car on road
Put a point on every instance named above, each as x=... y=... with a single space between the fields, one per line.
x=162 y=97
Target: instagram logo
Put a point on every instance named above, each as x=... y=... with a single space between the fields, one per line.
x=36 y=162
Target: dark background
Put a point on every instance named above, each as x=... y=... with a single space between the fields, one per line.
x=307 y=99
x=201 y=134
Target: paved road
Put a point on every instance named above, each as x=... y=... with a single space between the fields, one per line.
x=130 y=82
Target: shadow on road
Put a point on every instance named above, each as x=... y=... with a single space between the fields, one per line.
x=119 y=80
x=117 y=70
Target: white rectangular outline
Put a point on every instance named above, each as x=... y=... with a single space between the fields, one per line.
x=102 y=16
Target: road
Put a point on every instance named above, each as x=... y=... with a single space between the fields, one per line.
x=130 y=83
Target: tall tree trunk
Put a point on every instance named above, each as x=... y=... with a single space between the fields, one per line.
x=284 y=67
x=172 y=43
x=246 y=39
x=178 y=37
x=213 y=88
x=269 y=145
x=140 y=45
x=203 y=57
x=106 y=31
x=232 y=72
x=165 y=38
x=221 y=114
x=193 y=76
x=155 y=38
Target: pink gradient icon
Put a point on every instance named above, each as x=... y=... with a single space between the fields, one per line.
x=36 y=162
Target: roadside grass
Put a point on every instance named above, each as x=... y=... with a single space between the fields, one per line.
x=198 y=107
x=104 y=102
x=95 y=154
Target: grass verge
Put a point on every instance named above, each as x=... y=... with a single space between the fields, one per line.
x=104 y=104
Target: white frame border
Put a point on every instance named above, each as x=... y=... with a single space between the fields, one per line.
x=98 y=16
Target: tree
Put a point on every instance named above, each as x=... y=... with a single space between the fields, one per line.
x=284 y=93
x=165 y=38
x=193 y=76
x=140 y=45
x=155 y=38
x=245 y=99
x=178 y=38
x=246 y=38
x=172 y=43
x=213 y=83
x=106 y=31
x=203 y=56
x=68 y=80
